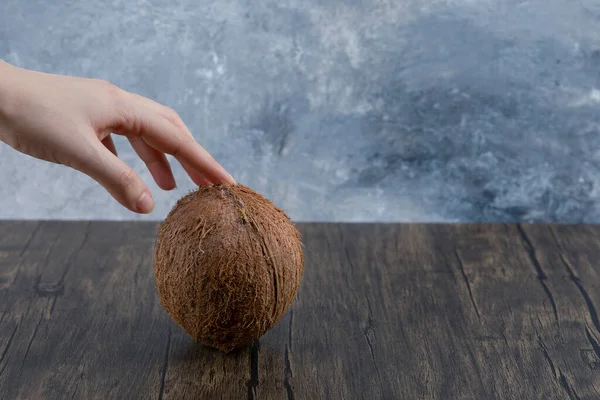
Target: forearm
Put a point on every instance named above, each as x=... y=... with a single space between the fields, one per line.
x=8 y=97
x=7 y=83
x=5 y=72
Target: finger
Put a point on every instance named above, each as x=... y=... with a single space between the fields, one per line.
x=196 y=176
x=165 y=136
x=118 y=179
x=157 y=163
x=110 y=145
x=188 y=152
x=167 y=112
x=153 y=105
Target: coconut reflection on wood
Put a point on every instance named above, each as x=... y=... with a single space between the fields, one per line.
x=228 y=264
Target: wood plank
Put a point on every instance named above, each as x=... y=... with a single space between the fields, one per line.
x=17 y=235
x=382 y=299
x=15 y=238
x=24 y=311
x=421 y=311
x=570 y=257
x=523 y=306
x=108 y=332
x=384 y=311
x=83 y=321
x=197 y=372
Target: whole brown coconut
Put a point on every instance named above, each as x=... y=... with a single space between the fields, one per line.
x=228 y=264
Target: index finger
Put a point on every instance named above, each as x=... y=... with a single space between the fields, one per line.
x=162 y=134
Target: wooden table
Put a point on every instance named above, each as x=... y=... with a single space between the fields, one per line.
x=385 y=311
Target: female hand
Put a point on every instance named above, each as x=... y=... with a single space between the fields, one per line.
x=69 y=121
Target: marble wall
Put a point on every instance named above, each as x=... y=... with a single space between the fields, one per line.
x=357 y=110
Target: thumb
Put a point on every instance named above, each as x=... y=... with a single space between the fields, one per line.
x=119 y=180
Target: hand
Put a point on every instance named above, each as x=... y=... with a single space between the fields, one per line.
x=69 y=121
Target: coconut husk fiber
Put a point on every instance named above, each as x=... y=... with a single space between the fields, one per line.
x=228 y=264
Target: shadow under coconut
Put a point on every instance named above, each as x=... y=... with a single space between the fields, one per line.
x=200 y=371
x=194 y=370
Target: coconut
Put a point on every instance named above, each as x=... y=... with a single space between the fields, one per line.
x=228 y=264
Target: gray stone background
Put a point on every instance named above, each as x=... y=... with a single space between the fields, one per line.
x=357 y=110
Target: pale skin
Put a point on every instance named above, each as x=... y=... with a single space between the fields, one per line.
x=69 y=121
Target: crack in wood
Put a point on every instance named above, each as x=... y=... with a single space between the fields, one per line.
x=564 y=383
x=593 y=342
x=289 y=373
x=44 y=263
x=575 y=279
x=35 y=331
x=369 y=330
x=343 y=243
x=136 y=274
x=461 y=267
x=75 y=253
x=5 y=351
x=79 y=379
x=30 y=239
x=547 y=356
x=586 y=297
x=541 y=275
x=253 y=381
x=75 y=390
x=164 y=368
x=21 y=261
x=289 y=388
x=369 y=327
x=558 y=375
x=54 y=300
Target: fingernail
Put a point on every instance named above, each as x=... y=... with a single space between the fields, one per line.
x=233 y=180
x=145 y=204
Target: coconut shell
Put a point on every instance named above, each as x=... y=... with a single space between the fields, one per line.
x=228 y=264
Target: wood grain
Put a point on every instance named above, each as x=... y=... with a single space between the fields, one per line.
x=385 y=311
